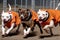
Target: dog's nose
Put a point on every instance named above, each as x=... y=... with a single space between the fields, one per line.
x=40 y=17
x=22 y=18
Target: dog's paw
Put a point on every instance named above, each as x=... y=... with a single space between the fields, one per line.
x=25 y=36
x=3 y=36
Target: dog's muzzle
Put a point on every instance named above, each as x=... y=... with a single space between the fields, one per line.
x=22 y=17
x=40 y=18
x=4 y=20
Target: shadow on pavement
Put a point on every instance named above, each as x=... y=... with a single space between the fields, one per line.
x=32 y=34
x=13 y=33
x=44 y=36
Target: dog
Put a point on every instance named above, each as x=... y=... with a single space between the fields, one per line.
x=48 y=18
x=10 y=19
x=29 y=18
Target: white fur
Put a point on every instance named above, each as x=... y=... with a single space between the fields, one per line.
x=9 y=7
x=25 y=32
x=3 y=29
x=28 y=30
x=22 y=16
x=12 y=26
x=50 y=25
x=40 y=14
x=6 y=16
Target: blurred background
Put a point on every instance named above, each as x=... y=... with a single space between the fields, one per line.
x=33 y=4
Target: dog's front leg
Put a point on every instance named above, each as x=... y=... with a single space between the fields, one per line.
x=28 y=30
x=3 y=29
x=49 y=26
x=18 y=28
x=25 y=32
x=12 y=26
x=31 y=26
x=37 y=22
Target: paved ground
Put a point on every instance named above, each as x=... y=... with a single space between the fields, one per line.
x=33 y=36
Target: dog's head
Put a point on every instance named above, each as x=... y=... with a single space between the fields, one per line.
x=42 y=15
x=6 y=16
x=24 y=13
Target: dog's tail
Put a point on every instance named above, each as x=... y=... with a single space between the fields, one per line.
x=9 y=7
x=57 y=6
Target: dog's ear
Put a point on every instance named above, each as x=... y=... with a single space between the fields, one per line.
x=47 y=11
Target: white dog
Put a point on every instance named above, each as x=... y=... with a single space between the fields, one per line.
x=10 y=19
x=43 y=16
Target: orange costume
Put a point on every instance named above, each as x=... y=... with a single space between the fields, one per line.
x=15 y=19
x=34 y=15
x=53 y=14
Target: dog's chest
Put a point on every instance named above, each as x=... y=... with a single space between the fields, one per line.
x=47 y=22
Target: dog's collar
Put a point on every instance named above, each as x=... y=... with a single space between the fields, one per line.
x=46 y=18
x=29 y=16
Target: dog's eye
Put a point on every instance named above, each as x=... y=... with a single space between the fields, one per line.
x=43 y=14
x=7 y=17
x=46 y=14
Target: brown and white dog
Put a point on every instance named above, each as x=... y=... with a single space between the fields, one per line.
x=29 y=18
x=48 y=18
x=10 y=19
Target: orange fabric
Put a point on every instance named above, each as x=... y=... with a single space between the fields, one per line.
x=34 y=15
x=15 y=18
x=53 y=14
